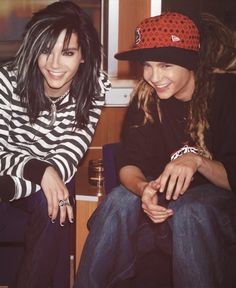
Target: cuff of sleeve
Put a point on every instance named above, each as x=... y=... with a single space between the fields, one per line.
x=7 y=188
x=34 y=170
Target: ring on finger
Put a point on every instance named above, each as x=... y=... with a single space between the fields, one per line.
x=66 y=202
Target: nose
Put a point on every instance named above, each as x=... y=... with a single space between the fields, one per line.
x=54 y=60
x=156 y=75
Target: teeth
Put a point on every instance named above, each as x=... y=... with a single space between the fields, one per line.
x=56 y=73
x=161 y=86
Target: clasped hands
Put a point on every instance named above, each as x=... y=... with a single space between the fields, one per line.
x=174 y=182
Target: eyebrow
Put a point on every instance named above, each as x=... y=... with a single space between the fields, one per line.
x=70 y=48
x=159 y=63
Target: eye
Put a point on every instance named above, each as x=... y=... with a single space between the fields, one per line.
x=45 y=51
x=146 y=65
x=68 y=53
x=165 y=65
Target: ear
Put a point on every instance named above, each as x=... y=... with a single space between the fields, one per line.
x=82 y=60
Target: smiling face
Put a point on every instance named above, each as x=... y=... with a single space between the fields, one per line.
x=169 y=80
x=59 y=66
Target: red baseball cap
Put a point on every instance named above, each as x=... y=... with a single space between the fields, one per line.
x=170 y=37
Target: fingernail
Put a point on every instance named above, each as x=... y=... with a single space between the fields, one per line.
x=71 y=220
x=53 y=221
x=62 y=224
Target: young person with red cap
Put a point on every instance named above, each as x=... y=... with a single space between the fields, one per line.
x=179 y=132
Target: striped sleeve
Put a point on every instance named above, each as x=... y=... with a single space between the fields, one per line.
x=8 y=160
x=11 y=163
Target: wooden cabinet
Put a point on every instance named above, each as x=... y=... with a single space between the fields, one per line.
x=85 y=205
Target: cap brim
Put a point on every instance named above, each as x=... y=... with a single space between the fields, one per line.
x=178 y=56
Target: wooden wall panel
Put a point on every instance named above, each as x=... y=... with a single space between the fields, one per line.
x=108 y=131
x=130 y=15
x=109 y=126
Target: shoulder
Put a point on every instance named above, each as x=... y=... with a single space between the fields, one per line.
x=134 y=114
x=104 y=82
x=7 y=75
x=223 y=102
x=225 y=87
x=225 y=80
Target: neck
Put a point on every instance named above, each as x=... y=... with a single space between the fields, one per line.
x=57 y=95
x=186 y=92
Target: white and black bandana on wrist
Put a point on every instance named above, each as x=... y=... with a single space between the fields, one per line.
x=183 y=150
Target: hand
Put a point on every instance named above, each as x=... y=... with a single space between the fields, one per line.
x=55 y=190
x=177 y=175
x=155 y=212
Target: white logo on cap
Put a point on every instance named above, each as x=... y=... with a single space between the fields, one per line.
x=175 y=38
x=137 y=36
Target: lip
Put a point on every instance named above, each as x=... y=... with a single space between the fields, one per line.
x=161 y=88
x=55 y=75
x=161 y=85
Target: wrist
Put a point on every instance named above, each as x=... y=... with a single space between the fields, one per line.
x=141 y=187
x=34 y=170
x=199 y=160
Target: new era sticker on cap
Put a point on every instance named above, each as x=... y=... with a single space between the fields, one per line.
x=175 y=38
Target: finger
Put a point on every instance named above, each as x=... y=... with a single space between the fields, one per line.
x=70 y=213
x=155 y=207
x=155 y=185
x=186 y=185
x=63 y=215
x=165 y=213
x=178 y=187
x=50 y=205
x=151 y=206
x=63 y=194
x=171 y=185
x=158 y=219
x=163 y=181
x=55 y=206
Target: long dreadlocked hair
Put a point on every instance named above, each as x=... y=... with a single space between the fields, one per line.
x=217 y=53
x=41 y=33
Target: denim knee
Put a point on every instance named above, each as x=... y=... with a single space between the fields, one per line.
x=201 y=227
x=122 y=198
x=120 y=203
x=204 y=203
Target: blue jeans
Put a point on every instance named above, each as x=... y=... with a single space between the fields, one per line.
x=202 y=230
x=47 y=245
x=204 y=236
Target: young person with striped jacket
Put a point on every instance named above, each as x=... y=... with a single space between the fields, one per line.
x=51 y=96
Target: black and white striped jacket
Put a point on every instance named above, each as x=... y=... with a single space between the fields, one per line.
x=60 y=145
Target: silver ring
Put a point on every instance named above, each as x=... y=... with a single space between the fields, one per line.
x=67 y=202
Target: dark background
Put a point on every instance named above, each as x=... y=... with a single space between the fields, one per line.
x=225 y=10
